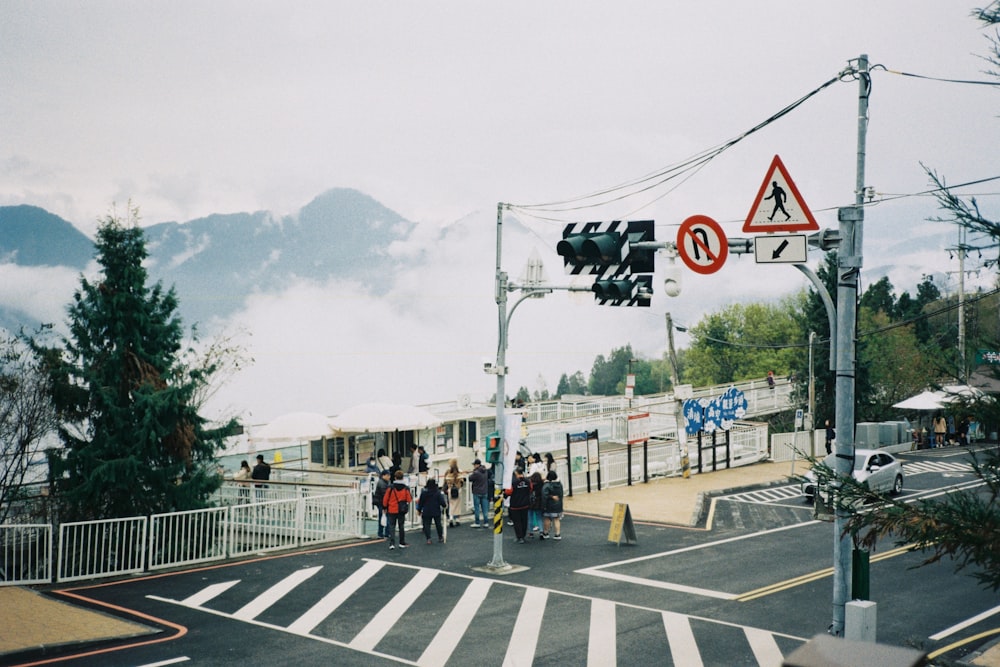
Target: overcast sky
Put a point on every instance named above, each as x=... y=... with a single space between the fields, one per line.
x=440 y=110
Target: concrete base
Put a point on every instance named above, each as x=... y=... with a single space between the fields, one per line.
x=860 y=618
x=505 y=569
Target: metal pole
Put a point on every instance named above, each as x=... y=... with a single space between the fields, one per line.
x=678 y=406
x=849 y=262
x=501 y=371
x=812 y=395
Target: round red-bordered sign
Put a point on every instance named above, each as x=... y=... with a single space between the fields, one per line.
x=702 y=245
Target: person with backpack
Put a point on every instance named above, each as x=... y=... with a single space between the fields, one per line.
x=552 y=497
x=429 y=507
x=520 y=500
x=397 y=501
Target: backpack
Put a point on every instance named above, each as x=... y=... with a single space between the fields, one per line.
x=403 y=506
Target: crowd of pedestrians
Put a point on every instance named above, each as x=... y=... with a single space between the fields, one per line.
x=533 y=500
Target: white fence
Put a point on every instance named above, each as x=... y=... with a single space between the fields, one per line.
x=114 y=547
x=253 y=520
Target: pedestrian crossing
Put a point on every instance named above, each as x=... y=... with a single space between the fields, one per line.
x=363 y=612
x=777 y=494
x=918 y=467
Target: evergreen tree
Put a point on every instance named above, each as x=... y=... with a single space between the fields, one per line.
x=127 y=395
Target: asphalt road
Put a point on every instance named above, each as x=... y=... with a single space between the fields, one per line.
x=747 y=592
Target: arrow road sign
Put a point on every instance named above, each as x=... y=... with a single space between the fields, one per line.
x=780 y=249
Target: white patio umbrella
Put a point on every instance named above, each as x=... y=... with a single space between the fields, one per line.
x=382 y=417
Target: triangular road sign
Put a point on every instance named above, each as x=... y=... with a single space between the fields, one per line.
x=779 y=207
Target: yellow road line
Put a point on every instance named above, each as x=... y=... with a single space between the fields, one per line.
x=810 y=577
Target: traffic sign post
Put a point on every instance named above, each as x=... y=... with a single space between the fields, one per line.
x=778 y=206
x=701 y=243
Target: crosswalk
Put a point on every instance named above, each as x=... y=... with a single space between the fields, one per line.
x=777 y=494
x=593 y=631
x=918 y=467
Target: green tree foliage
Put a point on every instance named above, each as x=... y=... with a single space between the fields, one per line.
x=745 y=341
x=572 y=384
x=607 y=377
x=896 y=365
x=127 y=393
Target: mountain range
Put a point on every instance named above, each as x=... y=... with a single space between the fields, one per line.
x=216 y=261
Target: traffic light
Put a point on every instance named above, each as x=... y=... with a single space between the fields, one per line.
x=494 y=452
x=596 y=249
x=630 y=291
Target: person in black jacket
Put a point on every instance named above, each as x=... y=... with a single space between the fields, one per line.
x=377 y=495
x=520 y=501
x=429 y=508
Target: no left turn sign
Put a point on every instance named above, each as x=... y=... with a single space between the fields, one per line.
x=701 y=243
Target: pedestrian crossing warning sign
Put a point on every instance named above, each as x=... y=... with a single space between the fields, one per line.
x=622 y=526
x=779 y=207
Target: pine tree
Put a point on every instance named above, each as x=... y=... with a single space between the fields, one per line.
x=133 y=441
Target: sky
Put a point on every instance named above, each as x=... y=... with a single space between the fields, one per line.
x=442 y=110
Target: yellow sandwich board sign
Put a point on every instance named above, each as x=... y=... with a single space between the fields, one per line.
x=622 y=526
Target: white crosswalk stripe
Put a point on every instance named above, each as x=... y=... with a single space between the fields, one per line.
x=918 y=467
x=601 y=623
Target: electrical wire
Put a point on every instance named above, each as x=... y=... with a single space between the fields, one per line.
x=655 y=179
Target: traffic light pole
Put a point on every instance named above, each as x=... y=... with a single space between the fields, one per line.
x=500 y=295
x=530 y=290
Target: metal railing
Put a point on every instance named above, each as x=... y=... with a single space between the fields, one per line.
x=115 y=547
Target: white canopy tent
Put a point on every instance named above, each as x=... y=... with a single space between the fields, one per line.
x=293 y=427
x=383 y=417
x=939 y=399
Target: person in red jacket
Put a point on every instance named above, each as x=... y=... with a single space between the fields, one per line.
x=397 y=501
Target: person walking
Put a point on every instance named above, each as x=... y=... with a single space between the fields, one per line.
x=397 y=501
x=429 y=507
x=479 y=480
x=520 y=500
x=384 y=462
x=261 y=472
x=831 y=435
x=453 y=483
x=536 y=506
x=243 y=477
x=552 y=493
x=940 y=429
x=378 y=495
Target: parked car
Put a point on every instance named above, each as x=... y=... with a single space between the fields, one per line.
x=879 y=471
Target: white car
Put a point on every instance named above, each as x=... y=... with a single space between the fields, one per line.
x=879 y=471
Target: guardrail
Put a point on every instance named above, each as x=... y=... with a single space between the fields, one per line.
x=114 y=547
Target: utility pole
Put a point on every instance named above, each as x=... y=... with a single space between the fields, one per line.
x=674 y=379
x=849 y=262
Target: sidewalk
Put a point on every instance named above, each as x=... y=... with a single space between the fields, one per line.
x=676 y=500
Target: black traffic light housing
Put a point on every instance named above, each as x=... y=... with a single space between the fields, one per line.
x=627 y=291
x=591 y=248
